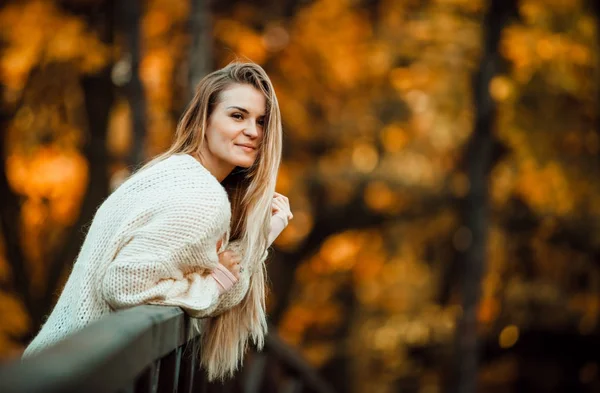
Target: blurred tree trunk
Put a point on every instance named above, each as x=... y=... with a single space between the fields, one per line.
x=595 y=6
x=98 y=97
x=130 y=16
x=201 y=59
x=478 y=160
x=10 y=224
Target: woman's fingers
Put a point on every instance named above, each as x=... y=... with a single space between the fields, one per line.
x=235 y=270
x=228 y=258
x=281 y=204
x=282 y=198
x=281 y=201
x=278 y=205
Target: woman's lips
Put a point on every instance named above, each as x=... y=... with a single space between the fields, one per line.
x=247 y=148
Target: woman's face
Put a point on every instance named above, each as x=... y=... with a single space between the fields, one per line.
x=235 y=127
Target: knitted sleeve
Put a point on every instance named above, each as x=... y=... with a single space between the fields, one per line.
x=169 y=261
x=149 y=279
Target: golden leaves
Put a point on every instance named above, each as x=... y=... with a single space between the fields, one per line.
x=298 y=228
x=156 y=22
x=546 y=188
x=49 y=173
x=536 y=47
x=165 y=46
x=364 y=157
x=379 y=197
x=337 y=50
x=501 y=88
x=318 y=354
x=411 y=74
x=119 y=136
x=339 y=251
x=37 y=32
x=245 y=41
x=156 y=70
x=15 y=323
x=161 y=16
x=394 y=138
x=502 y=182
x=508 y=336
x=275 y=37
x=53 y=182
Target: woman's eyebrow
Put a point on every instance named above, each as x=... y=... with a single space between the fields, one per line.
x=239 y=108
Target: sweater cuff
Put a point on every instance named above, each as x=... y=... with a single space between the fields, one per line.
x=224 y=278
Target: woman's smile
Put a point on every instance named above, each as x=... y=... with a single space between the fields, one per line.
x=247 y=147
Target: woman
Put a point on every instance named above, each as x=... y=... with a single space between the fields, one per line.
x=192 y=227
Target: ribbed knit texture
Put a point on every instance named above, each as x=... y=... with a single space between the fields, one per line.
x=152 y=241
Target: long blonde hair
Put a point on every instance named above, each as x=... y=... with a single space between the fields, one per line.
x=225 y=337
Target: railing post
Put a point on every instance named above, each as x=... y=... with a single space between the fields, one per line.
x=293 y=385
x=255 y=374
x=188 y=367
x=169 y=372
x=129 y=389
x=147 y=382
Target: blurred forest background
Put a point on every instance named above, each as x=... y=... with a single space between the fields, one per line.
x=442 y=160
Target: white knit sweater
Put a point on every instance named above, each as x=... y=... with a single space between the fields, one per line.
x=152 y=241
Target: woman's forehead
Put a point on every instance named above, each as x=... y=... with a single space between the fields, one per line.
x=244 y=96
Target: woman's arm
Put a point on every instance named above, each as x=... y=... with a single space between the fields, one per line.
x=129 y=283
x=278 y=224
x=143 y=278
x=171 y=260
x=281 y=213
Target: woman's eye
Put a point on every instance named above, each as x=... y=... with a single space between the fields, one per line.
x=261 y=122
x=237 y=116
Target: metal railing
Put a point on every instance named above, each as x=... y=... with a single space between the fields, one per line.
x=146 y=349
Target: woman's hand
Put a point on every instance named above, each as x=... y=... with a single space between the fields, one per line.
x=227 y=272
x=231 y=261
x=281 y=214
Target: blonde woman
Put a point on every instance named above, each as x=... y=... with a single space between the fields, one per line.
x=192 y=227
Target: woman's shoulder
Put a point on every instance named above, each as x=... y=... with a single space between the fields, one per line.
x=178 y=177
x=182 y=167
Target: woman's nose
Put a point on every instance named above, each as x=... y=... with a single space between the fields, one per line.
x=251 y=130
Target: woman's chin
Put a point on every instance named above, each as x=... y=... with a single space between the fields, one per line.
x=243 y=163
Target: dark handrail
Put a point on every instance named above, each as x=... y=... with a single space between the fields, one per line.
x=142 y=349
x=105 y=356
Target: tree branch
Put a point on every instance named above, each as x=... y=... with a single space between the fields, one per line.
x=475 y=207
